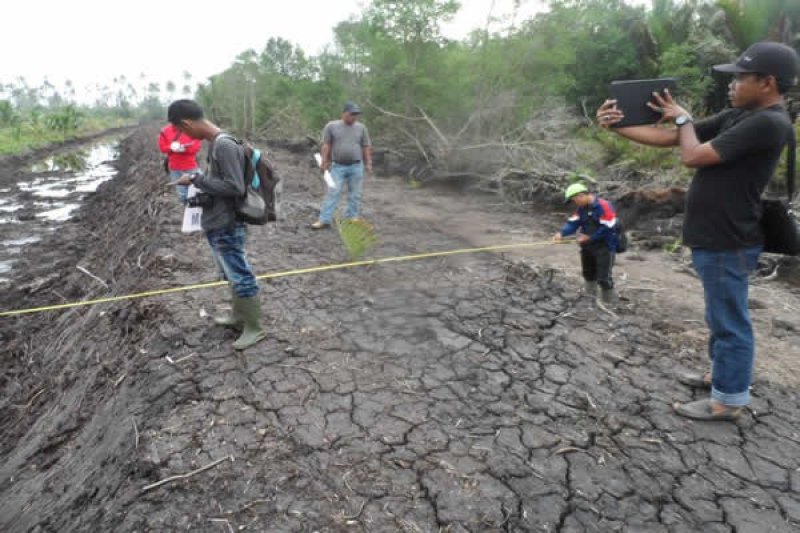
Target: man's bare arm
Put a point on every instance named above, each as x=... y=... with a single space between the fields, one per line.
x=694 y=154
x=326 y=156
x=367 y=151
x=650 y=135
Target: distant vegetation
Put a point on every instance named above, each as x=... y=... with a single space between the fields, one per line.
x=474 y=106
x=394 y=56
x=34 y=116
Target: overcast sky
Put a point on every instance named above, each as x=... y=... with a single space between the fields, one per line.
x=92 y=41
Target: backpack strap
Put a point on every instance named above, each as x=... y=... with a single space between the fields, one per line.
x=212 y=154
x=256 y=157
x=791 y=159
x=223 y=135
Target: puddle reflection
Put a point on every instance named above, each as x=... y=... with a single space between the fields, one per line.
x=49 y=194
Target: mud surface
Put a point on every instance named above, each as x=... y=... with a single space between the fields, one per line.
x=474 y=393
x=38 y=196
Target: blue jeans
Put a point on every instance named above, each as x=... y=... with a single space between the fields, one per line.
x=227 y=250
x=353 y=175
x=181 y=189
x=731 y=346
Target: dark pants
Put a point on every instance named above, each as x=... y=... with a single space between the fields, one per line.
x=597 y=262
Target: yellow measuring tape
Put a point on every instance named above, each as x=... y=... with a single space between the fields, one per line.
x=297 y=272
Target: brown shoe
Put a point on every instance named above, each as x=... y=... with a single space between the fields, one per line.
x=319 y=225
x=704 y=410
x=695 y=379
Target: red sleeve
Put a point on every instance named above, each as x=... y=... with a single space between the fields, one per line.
x=163 y=142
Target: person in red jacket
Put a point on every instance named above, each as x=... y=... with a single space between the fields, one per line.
x=181 y=153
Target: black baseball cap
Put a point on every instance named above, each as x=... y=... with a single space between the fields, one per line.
x=352 y=108
x=770 y=58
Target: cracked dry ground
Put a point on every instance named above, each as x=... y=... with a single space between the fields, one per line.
x=466 y=394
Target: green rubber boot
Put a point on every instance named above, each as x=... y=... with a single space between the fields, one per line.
x=608 y=296
x=231 y=319
x=249 y=310
x=590 y=287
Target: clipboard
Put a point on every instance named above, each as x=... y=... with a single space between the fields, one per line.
x=632 y=97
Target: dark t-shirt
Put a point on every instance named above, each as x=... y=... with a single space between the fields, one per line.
x=723 y=206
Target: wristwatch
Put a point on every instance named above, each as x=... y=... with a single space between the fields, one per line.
x=682 y=120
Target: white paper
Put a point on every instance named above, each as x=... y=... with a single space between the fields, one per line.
x=192 y=215
x=279 y=200
x=326 y=175
x=329 y=180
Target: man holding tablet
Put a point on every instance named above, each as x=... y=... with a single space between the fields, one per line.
x=735 y=153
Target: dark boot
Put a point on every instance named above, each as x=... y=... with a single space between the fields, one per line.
x=231 y=319
x=249 y=309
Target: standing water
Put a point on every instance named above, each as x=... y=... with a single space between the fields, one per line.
x=37 y=200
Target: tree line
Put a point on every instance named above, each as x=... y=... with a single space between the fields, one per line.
x=393 y=57
x=511 y=105
x=37 y=114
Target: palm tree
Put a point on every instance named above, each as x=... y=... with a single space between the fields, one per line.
x=70 y=90
x=750 y=21
x=170 y=88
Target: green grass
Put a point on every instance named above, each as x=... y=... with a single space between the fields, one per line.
x=16 y=140
x=674 y=247
x=358 y=236
x=619 y=149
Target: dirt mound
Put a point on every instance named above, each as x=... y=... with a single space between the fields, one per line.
x=60 y=403
x=463 y=394
x=655 y=216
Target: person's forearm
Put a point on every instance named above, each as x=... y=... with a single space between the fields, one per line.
x=570 y=228
x=221 y=186
x=649 y=135
x=326 y=154
x=229 y=182
x=601 y=233
x=689 y=144
x=368 y=156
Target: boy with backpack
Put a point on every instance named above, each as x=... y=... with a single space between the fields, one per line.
x=598 y=239
x=222 y=188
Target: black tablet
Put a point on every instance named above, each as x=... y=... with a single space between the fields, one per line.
x=632 y=97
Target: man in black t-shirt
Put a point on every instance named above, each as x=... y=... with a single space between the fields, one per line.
x=735 y=153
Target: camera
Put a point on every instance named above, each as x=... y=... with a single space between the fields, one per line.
x=200 y=200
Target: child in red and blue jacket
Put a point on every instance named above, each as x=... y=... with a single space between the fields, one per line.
x=597 y=222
